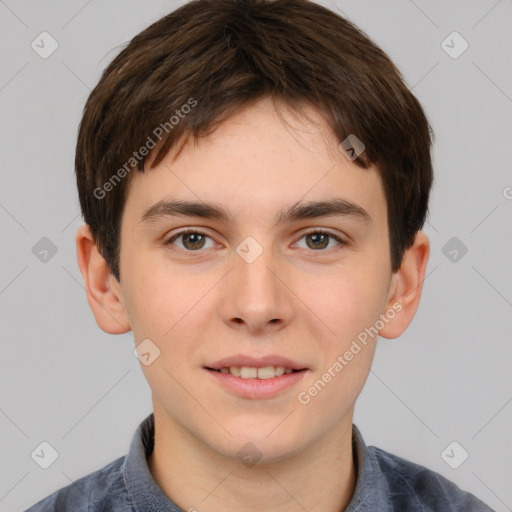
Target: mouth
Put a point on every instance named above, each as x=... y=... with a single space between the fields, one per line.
x=252 y=372
x=252 y=378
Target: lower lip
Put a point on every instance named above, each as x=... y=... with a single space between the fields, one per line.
x=257 y=388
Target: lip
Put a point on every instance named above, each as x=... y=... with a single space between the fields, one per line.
x=256 y=388
x=255 y=362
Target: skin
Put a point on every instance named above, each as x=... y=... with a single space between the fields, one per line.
x=295 y=300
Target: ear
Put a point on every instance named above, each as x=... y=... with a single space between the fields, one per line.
x=405 y=288
x=102 y=288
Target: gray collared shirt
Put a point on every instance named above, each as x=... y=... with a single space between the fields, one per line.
x=384 y=483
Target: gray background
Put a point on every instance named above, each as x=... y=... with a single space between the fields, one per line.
x=447 y=379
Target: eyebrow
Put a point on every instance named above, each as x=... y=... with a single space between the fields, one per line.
x=298 y=211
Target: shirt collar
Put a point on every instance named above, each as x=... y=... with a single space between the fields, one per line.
x=145 y=494
x=370 y=493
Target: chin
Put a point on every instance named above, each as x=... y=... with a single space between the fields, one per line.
x=261 y=448
x=259 y=453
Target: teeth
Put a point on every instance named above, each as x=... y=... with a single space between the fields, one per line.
x=247 y=372
x=280 y=370
x=235 y=370
x=266 y=373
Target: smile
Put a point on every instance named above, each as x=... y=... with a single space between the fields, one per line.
x=248 y=372
x=256 y=383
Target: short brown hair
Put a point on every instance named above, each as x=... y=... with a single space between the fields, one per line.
x=217 y=56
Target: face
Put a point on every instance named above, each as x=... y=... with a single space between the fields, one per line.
x=266 y=286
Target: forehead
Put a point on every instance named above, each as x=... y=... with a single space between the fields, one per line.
x=257 y=161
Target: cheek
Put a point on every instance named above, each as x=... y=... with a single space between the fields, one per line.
x=161 y=309
x=170 y=308
x=346 y=302
x=349 y=303
x=349 y=307
x=151 y=300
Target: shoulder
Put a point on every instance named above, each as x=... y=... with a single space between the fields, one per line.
x=415 y=487
x=100 y=491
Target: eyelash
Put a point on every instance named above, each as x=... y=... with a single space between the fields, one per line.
x=170 y=241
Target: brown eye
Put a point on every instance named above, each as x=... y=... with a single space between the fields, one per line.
x=191 y=240
x=320 y=240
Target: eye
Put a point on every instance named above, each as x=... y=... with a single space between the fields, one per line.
x=320 y=239
x=191 y=240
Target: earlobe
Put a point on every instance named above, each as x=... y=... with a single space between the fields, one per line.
x=406 y=287
x=103 y=291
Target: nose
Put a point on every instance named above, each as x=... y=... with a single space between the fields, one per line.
x=255 y=297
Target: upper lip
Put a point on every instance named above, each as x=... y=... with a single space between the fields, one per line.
x=255 y=362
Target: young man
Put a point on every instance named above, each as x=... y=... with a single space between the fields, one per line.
x=254 y=176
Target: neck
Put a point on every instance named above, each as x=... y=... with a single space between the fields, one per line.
x=192 y=475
